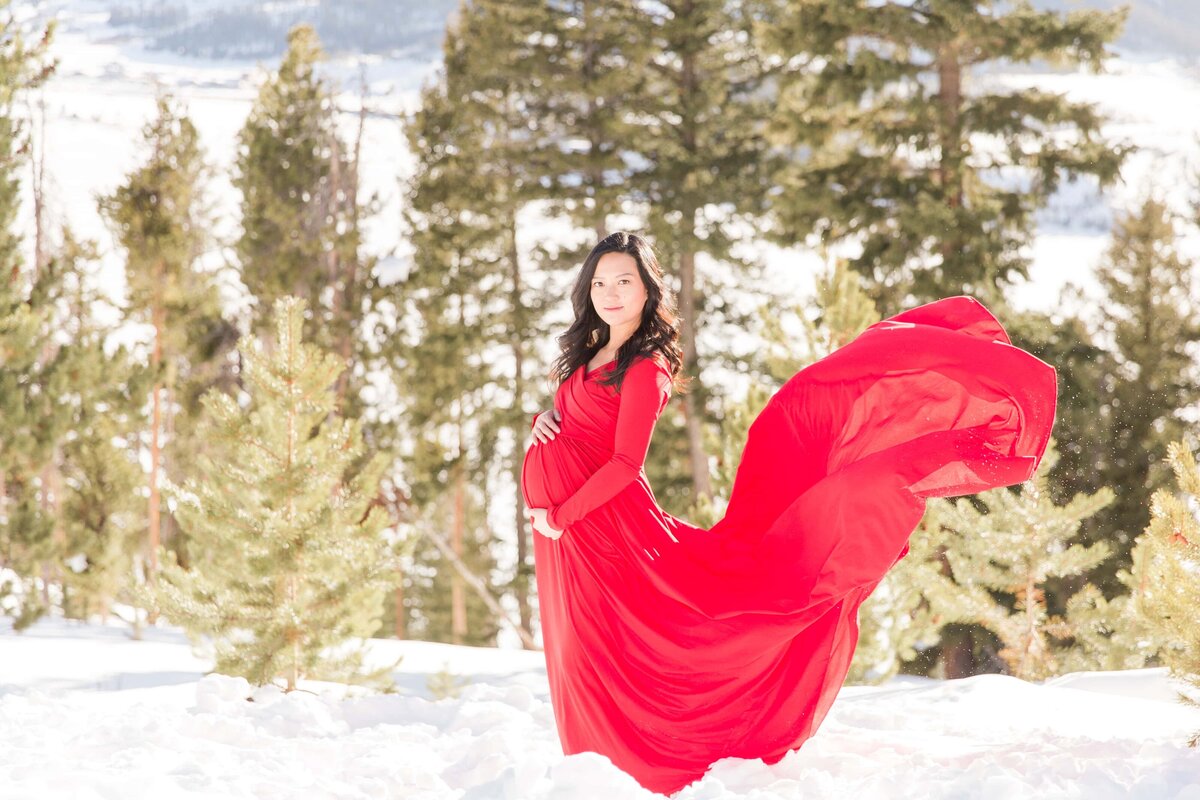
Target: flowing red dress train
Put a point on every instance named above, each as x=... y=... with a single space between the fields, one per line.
x=670 y=646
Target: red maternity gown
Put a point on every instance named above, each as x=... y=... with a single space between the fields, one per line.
x=669 y=646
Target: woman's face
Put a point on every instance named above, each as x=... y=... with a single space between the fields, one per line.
x=618 y=293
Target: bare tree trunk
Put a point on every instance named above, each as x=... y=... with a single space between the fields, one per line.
x=293 y=673
x=168 y=531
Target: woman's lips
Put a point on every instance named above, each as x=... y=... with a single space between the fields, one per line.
x=614 y=308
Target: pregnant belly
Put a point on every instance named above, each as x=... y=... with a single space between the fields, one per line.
x=554 y=471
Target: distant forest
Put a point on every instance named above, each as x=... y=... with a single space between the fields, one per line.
x=412 y=28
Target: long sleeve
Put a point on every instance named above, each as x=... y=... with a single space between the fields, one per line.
x=644 y=394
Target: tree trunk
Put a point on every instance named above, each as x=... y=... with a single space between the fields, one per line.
x=692 y=411
x=157 y=312
x=458 y=599
x=39 y=192
x=949 y=99
x=595 y=171
x=524 y=569
x=343 y=264
x=400 y=628
x=480 y=588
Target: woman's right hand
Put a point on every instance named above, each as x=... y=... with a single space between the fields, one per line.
x=545 y=427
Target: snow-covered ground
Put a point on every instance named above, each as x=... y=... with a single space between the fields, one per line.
x=86 y=713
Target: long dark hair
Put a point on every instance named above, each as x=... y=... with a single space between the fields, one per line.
x=657 y=336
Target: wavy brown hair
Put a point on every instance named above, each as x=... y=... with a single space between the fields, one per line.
x=658 y=334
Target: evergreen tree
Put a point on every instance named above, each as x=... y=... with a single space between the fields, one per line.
x=594 y=68
x=444 y=683
x=1170 y=595
x=101 y=513
x=703 y=111
x=1152 y=318
x=288 y=164
x=1011 y=548
x=22 y=67
x=1083 y=365
x=293 y=561
x=31 y=422
x=461 y=214
x=1111 y=634
x=301 y=216
x=160 y=218
x=64 y=535
x=38 y=392
x=894 y=150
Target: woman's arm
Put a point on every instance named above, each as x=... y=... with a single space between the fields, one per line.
x=644 y=394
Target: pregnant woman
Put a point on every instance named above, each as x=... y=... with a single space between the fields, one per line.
x=670 y=646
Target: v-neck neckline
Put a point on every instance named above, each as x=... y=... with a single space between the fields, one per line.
x=587 y=372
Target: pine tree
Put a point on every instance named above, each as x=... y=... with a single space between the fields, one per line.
x=1111 y=634
x=302 y=217
x=160 y=218
x=76 y=415
x=1083 y=365
x=461 y=214
x=703 y=112
x=38 y=393
x=1153 y=321
x=23 y=67
x=31 y=423
x=101 y=511
x=444 y=683
x=895 y=150
x=1011 y=549
x=284 y=170
x=1170 y=595
x=293 y=561
x=594 y=67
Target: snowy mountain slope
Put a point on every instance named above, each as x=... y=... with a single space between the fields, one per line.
x=1170 y=27
x=241 y=29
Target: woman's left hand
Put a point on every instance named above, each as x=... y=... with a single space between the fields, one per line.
x=541 y=525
